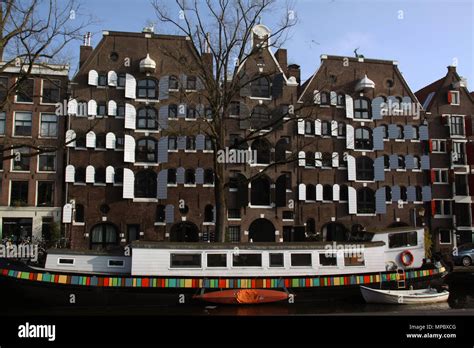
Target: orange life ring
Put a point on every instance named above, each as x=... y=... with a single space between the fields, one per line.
x=403 y=258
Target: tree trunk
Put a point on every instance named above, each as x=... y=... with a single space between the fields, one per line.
x=221 y=204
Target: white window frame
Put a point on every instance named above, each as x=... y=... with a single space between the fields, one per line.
x=443 y=202
x=439 y=142
x=66 y=264
x=450 y=236
x=41 y=95
x=41 y=121
x=439 y=171
x=33 y=96
x=14 y=121
x=47 y=171
x=457 y=98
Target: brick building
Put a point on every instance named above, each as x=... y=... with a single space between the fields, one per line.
x=31 y=136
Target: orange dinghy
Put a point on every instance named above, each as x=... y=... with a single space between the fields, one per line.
x=244 y=296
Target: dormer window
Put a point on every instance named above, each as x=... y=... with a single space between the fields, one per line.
x=453 y=98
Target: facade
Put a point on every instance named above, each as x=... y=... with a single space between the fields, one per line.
x=449 y=109
x=31 y=137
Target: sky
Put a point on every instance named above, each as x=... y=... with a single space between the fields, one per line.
x=424 y=36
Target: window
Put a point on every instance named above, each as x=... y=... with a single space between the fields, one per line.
x=49 y=126
x=385 y=131
x=208 y=177
x=276 y=260
x=172 y=143
x=25 y=91
x=310 y=159
x=172 y=176
x=216 y=260
x=247 y=260
x=310 y=226
x=327 y=259
x=185 y=261
x=326 y=160
x=173 y=111
x=327 y=193
x=120 y=110
x=453 y=97
x=209 y=213
x=101 y=109
x=116 y=263
x=288 y=215
x=51 y=91
x=386 y=162
x=45 y=196
x=361 y=108
x=146 y=151
x=103 y=236
x=403 y=193
x=22 y=124
x=80 y=175
x=438 y=146
x=99 y=175
x=308 y=127
x=79 y=213
x=133 y=232
x=416 y=162
x=363 y=139
x=341 y=129
x=399 y=134
x=416 y=133
x=173 y=83
x=119 y=142
x=208 y=144
x=47 y=162
x=445 y=236
x=456 y=125
x=21 y=159
x=357 y=260
x=100 y=141
x=62 y=261
x=260 y=88
x=189 y=177
x=441 y=176
x=310 y=192
x=260 y=191
x=3 y=89
x=300 y=260
x=234 y=234
x=234 y=108
x=160 y=213
x=341 y=100
x=147 y=89
x=343 y=193
x=118 y=176
x=364 y=168
x=260 y=117
x=146 y=118
x=365 y=201
x=443 y=208
x=145 y=184
x=191 y=83
x=190 y=143
x=401 y=240
x=325 y=98
x=401 y=162
x=418 y=194
x=121 y=80
x=19 y=193
x=102 y=81
x=325 y=128
x=3 y=120
x=388 y=194
x=191 y=112
x=262 y=146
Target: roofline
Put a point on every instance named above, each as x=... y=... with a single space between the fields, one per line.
x=37 y=69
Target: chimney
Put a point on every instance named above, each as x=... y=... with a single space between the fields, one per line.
x=452 y=68
x=281 y=57
x=85 y=50
x=294 y=70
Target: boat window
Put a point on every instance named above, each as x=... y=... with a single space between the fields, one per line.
x=66 y=261
x=216 y=260
x=185 y=260
x=247 y=260
x=400 y=240
x=300 y=259
x=327 y=259
x=116 y=263
x=356 y=260
x=276 y=260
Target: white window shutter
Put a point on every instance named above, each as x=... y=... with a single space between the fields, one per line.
x=92 y=108
x=112 y=78
x=70 y=138
x=336 y=189
x=72 y=107
x=70 y=173
x=319 y=192
x=128 y=184
x=129 y=149
x=352 y=196
x=130 y=116
x=90 y=139
x=316 y=97
x=90 y=174
x=112 y=108
x=317 y=127
x=110 y=140
x=333 y=98
x=301 y=127
x=334 y=128
x=351 y=168
x=130 y=86
x=318 y=159
x=67 y=213
x=302 y=192
x=301 y=159
x=349 y=136
x=109 y=175
x=93 y=78
x=349 y=106
x=335 y=159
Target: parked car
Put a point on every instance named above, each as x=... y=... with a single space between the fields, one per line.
x=464 y=255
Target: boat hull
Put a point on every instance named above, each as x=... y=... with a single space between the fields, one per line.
x=403 y=297
x=244 y=296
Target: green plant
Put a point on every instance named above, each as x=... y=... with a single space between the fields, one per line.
x=428 y=243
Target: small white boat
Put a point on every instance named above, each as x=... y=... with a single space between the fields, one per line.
x=422 y=296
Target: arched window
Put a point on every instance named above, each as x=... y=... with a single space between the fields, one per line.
x=118 y=176
x=146 y=150
x=191 y=83
x=160 y=213
x=364 y=168
x=208 y=177
x=310 y=192
x=401 y=162
x=80 y=140
x=209 y=213
x=147 y=89
x=260 y=191
x=104 y=236
x=280 y=149
x=190 y=142
x=190 y=177
x=80 y=175
x=361 y=108
x=325 y=128
x=147 y=118
x=145 y=184
x=327 y=193
x=388 y=194
x=310 y=226
x=416 y=132
x=365 y=201
x=260 y=116
x=385 y=131
x=326 y=160
x=173 y=82
x=418 y=194
x=79 y=213
x=309 y=127
x=172 y=111
x=325 y=98
x=191 y=112
x=363 y=139
x=341 y=129
x=416 y=162
x=399 y=132
x=403 y=193
x=99 y=176
x=172 y=176
x=262 y=146
x=100 y=140
x=260 y=88
x=341 y=100
x=343 y=193
x=310 y=159
x=386 y=162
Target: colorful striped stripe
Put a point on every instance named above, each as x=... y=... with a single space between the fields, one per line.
x=216 y=283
